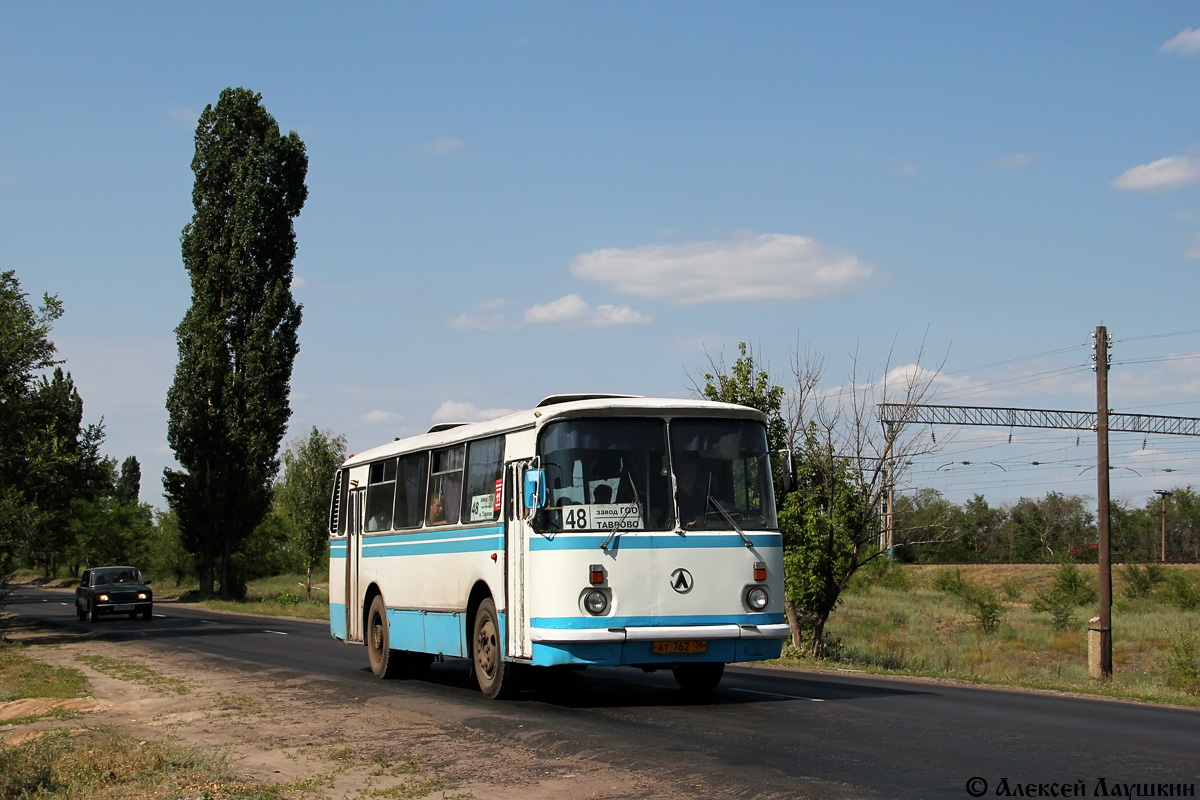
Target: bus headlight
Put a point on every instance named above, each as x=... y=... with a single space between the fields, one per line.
x=757 y=598
x=596 y=602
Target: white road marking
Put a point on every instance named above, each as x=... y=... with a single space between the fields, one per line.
x=781 y=696
x=277 y=633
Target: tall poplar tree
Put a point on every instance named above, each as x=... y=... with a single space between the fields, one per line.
x=228 y=406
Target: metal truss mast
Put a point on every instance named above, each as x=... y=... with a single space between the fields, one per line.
x=898 y=413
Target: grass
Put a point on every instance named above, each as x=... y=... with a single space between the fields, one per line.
x=103 y=764
x=22 y=677
x=125 y=670
x=279 y=596
x=909 y=627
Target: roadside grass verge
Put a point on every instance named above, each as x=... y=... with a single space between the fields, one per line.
x=22 y=677
x=279 y=596
x=133 y=672
x=102 y=764
x=909 y=627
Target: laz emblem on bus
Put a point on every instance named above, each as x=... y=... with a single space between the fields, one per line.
x=681 y=581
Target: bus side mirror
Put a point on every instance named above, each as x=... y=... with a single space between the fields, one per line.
x=789 y=472
x=535 y=489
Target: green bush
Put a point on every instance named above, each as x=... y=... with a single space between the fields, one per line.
x=1183 y=664
x=982 y=602
x=1071 y=583
x=949 y=581
x=1060 y=608
x=1180 y=592
x=1139 y=581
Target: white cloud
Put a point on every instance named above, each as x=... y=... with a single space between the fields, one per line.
x=1014 y=161
x=183 y=115
x=451 y=411
x=1186 y=43
x=443 y=146
x=573 y=309
x=750 y=268
x=379 y=417
x=498 y=314
x=1194 y=250
x=490 y=315
x=299 y=283
x=1171 y=172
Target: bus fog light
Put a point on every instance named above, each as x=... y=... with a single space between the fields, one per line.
x=596 y=602
x=757 y=598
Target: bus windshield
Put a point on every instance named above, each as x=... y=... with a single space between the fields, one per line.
x=615 y=475
x=722 y=470
x=606 y=475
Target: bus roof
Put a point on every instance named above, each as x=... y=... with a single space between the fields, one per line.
x=557 y=407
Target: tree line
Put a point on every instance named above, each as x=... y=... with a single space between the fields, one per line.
x=1053 y=528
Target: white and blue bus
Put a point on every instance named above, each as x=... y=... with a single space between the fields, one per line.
x=591 y=530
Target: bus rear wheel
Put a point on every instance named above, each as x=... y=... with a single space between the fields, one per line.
x=494 y=675
x=698 y=677
x=385 y=662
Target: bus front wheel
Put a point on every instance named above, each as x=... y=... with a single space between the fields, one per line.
x=385 y=662
x=698 y=677
x=494 y=675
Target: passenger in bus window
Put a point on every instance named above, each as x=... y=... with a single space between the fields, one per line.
x=437 y=510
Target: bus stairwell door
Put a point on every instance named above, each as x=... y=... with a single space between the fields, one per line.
x=354 y=611
x=516 y=549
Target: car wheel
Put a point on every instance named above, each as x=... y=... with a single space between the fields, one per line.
x=494 y=675
x=146 y=614
x=385 y=662
x=94 y=612
x=79 y=611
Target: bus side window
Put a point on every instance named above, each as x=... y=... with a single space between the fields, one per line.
x=410 y=491
x=485 y=467
x=445 y=486
x=381 y=494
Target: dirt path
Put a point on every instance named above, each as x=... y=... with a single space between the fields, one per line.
x=312 y=737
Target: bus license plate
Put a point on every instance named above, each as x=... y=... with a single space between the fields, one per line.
x=680 y=647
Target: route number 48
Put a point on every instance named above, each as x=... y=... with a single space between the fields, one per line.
x=575 y=518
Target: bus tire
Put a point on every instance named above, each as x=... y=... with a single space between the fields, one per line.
x=698 y=677
x=494 y=675
x=385 y=662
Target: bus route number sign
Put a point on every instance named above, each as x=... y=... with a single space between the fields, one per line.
x=602 y=517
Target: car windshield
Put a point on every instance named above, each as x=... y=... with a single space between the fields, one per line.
x=615 y=475
x=606 y=475
x=111 y=576
x=722 y=473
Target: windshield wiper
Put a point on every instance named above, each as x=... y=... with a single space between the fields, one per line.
x=617 y=527
x=717 y=505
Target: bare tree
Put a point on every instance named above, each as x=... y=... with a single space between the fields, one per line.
x=849 y=459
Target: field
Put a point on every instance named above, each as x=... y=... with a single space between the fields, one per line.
x=907 y=621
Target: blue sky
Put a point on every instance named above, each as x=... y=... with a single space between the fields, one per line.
x=510 y=201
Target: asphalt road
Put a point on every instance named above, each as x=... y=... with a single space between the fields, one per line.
x=764 y=732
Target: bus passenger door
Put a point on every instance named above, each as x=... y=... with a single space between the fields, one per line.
x=516 y=552
x=354 y=612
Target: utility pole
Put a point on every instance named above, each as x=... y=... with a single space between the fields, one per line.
x=1101 y=627
x=1164 y=494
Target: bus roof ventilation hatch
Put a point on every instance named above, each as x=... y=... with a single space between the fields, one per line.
x=555 y=399
x=445 y=426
